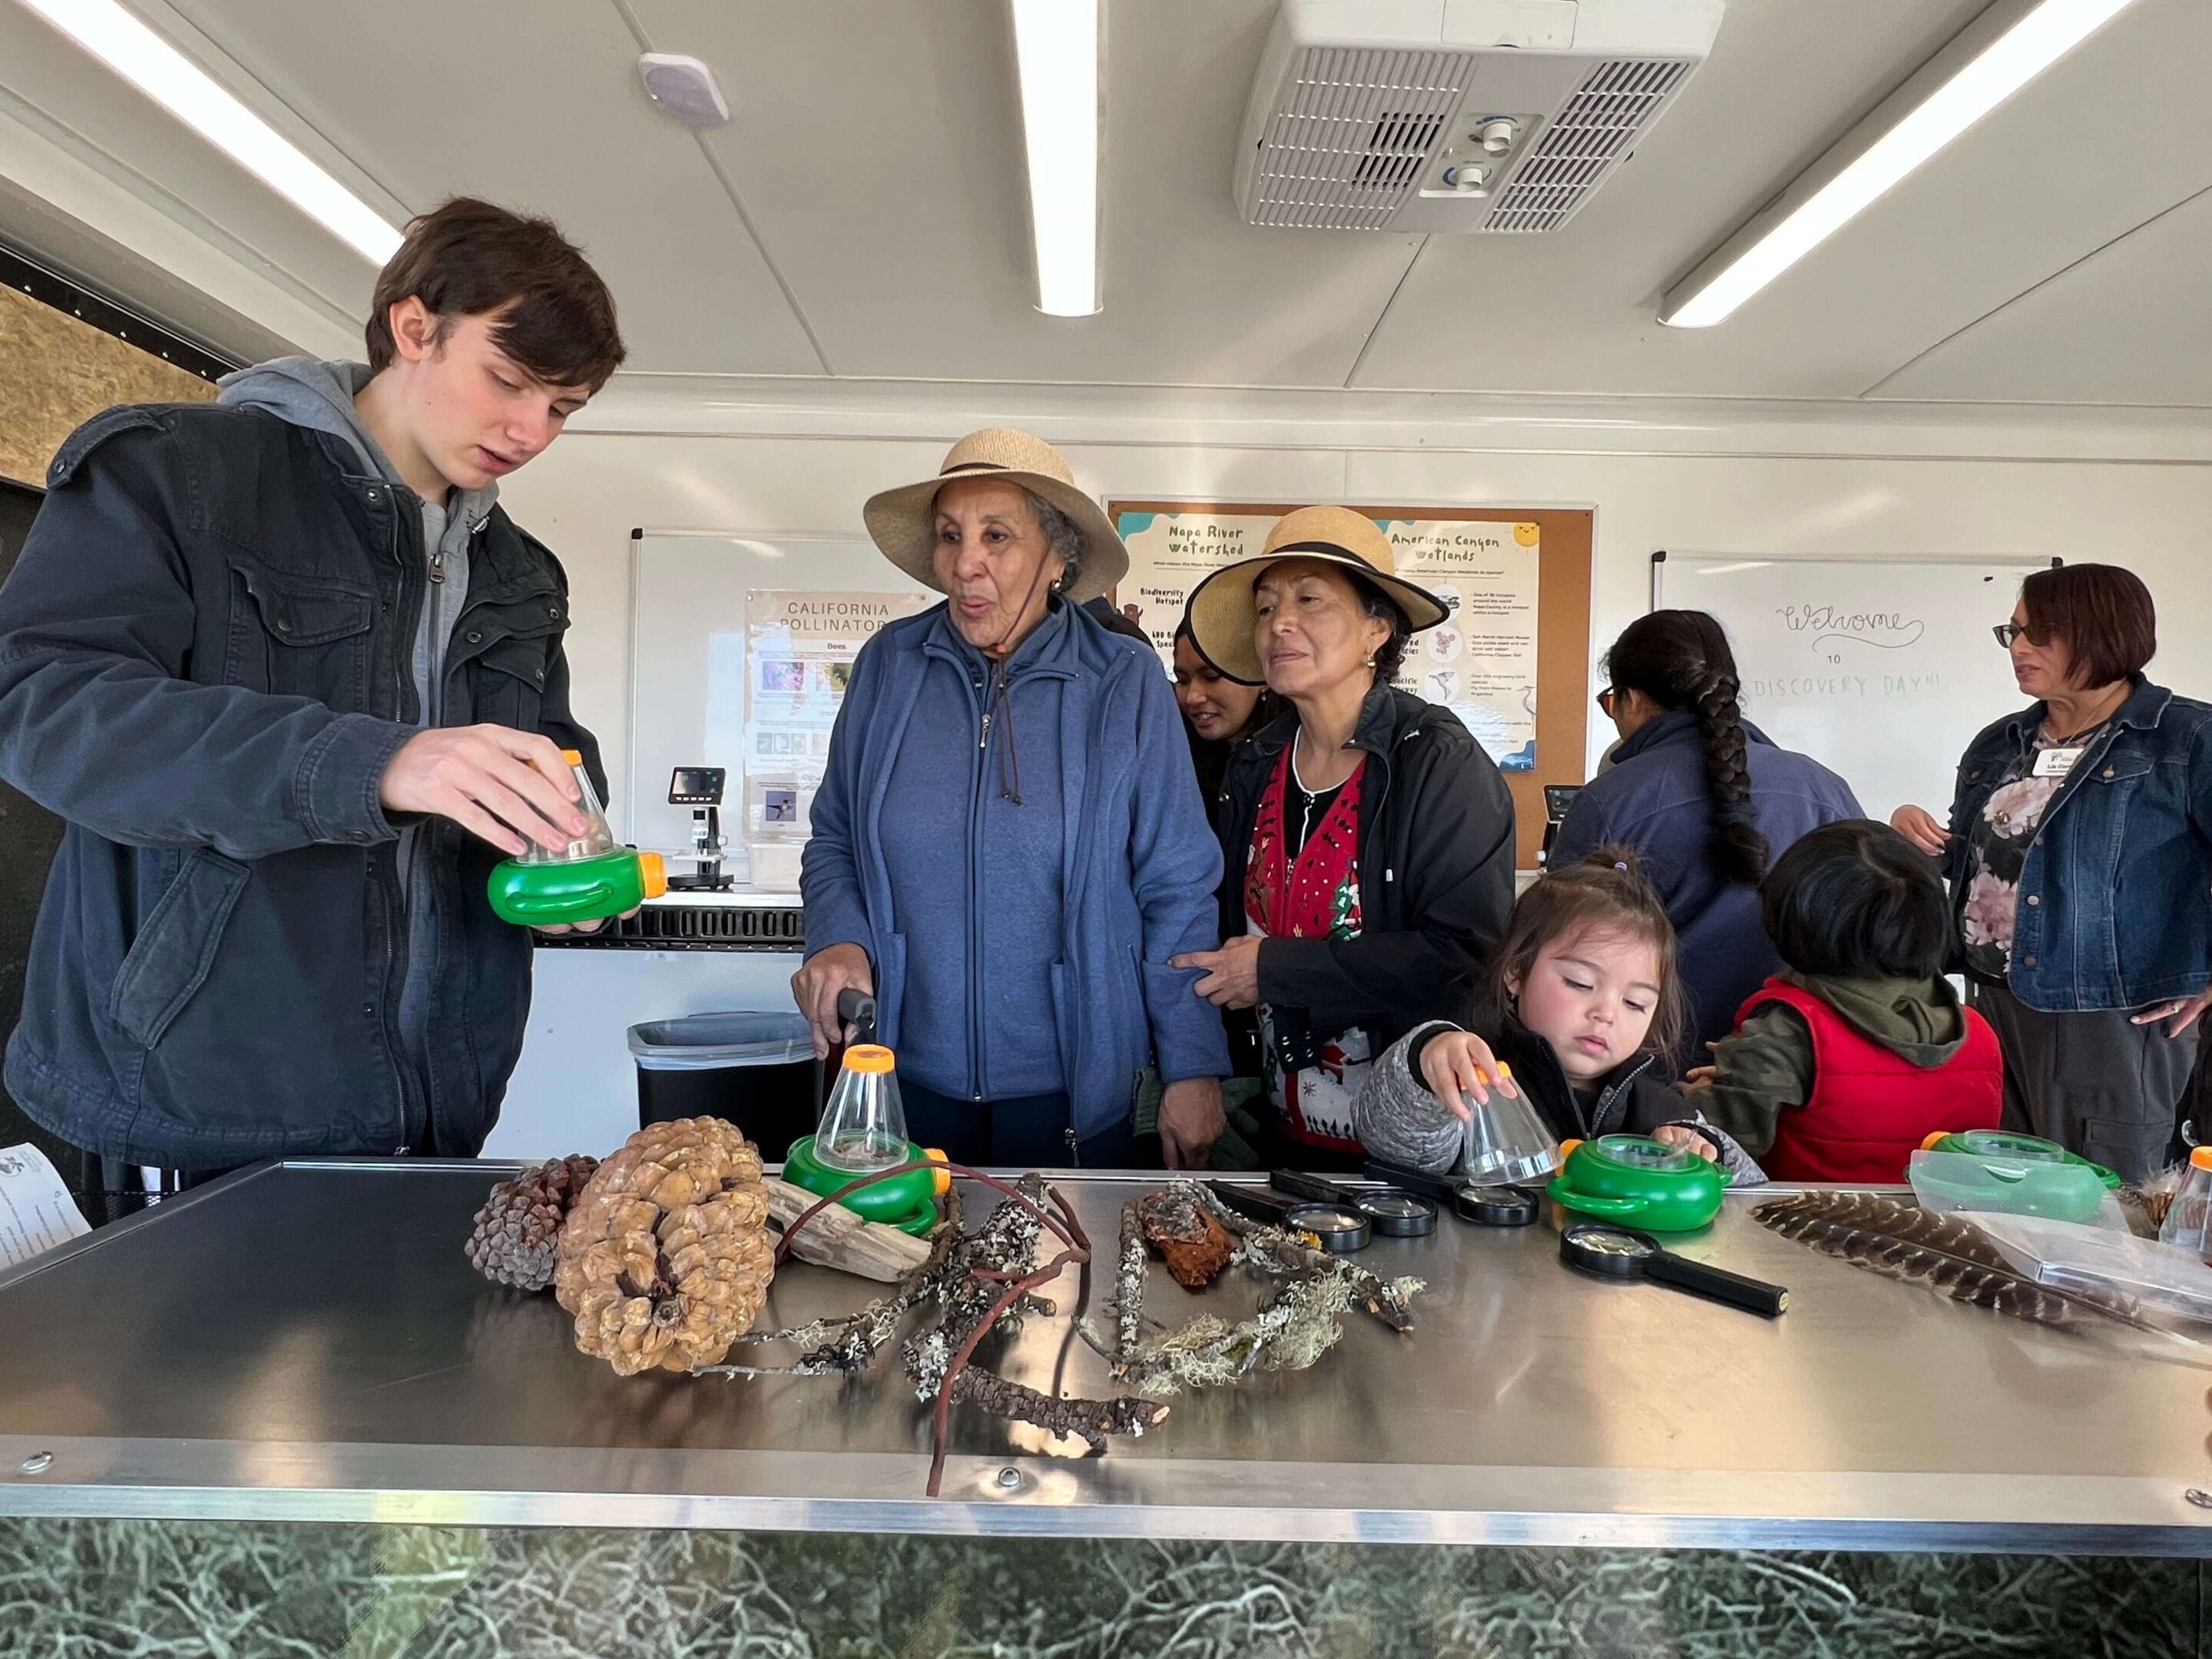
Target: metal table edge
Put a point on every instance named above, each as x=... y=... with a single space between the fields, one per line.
x=948 y=1518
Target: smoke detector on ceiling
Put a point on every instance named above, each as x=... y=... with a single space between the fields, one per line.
x=683 y=89
x=1458 y=115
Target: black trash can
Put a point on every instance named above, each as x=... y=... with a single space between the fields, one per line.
x=756 y=1070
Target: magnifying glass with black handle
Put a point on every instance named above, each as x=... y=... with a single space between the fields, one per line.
x=1607 y=1251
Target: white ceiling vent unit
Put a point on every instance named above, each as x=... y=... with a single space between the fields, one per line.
x=1458 y=115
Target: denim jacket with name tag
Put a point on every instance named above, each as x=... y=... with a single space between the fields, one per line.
x=2115 y=907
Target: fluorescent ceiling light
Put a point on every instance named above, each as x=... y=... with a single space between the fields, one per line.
x=185 y=89
x=2039 y=39
x=1056 y=43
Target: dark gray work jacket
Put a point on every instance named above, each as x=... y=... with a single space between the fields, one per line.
x=205 y=663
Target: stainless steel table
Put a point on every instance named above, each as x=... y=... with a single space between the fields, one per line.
x=306 y=1341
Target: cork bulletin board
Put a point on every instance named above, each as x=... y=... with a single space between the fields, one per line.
x=56 y=373
x=1563 y=601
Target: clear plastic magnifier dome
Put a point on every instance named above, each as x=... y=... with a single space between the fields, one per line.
x=1506 y=1143
x=1635 y=1153
x=864 y=1126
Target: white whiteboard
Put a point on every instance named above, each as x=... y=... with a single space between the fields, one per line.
x=687 y=662
x=1880 y=669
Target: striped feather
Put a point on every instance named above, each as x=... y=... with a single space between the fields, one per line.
x=1919 y=1246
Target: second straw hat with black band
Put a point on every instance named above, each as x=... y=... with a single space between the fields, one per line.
x=1223 y=618
x=902 y=522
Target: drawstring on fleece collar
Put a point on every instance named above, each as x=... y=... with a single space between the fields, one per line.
x=1002 y=704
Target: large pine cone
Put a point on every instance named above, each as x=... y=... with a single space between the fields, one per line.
x=517 y=1234
x=666 y=1257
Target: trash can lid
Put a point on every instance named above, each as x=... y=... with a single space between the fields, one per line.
x=701 y=1043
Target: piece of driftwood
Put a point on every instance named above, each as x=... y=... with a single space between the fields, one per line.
x=838 y=1238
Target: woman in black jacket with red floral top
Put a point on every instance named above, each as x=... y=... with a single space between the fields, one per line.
x=1368 y=839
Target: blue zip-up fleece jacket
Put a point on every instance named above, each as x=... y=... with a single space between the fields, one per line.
x=1020 y=948
x=2116 y=897
x=1654 y=798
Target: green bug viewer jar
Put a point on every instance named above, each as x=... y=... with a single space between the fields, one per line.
x=1644 y=1184
x=863 y=1132
x=593 y=877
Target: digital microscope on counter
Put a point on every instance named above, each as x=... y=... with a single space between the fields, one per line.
x=700 y=787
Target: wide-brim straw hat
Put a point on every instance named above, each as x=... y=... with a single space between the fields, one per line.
x=903 y=521
x=1221 y=614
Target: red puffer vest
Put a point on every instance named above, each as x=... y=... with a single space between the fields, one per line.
x=1872 y=1107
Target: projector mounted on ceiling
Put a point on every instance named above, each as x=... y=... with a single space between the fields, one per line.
x=1458 y=115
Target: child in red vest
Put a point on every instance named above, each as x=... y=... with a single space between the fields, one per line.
x=1841 y=1067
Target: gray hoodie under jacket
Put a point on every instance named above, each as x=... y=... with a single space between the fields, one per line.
x=319 y=395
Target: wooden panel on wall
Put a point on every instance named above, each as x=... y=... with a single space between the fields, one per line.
x=56 y=373
x=1563 y=623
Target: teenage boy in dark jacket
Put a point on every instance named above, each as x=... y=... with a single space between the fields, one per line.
x=296 y=682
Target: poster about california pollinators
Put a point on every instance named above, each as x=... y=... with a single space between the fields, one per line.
x=1480 y=662
x=780 y=684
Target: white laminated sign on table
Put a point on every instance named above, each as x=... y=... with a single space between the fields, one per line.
x=36 y=1211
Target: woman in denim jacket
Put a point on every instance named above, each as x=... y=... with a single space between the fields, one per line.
x=2080 y=857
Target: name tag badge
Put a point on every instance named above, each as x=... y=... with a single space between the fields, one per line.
x=2057 y=762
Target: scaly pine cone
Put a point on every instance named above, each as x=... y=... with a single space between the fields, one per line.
x=666 y=1259
x=516 y=1240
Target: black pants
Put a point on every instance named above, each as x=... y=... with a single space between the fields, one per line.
x=1029 y=1133
x=2097 y=1083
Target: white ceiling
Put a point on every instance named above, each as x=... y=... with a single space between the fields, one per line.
x=863 y=214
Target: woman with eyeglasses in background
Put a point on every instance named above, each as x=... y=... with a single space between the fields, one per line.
x=1706 y=799
x=2078 y=852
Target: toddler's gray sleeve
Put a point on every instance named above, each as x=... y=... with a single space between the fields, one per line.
x=1399 y=1120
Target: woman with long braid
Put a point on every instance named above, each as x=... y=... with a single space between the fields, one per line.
x=1707 y=800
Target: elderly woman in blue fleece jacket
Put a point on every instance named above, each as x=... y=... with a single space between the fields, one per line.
x=1009 y=845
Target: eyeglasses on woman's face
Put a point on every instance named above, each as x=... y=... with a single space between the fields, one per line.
x=2008 y=632
x=1605 y=703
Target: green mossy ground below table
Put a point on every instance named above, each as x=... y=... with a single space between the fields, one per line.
x=166 y=1589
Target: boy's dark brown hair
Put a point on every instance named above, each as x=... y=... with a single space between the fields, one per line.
x=1606 y=892
x=470 y=259
x=2103 y=613
x=1855 y=900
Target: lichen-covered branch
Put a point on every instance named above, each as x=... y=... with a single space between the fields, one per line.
x=1298 y=1326
x=1271 y=1250
x=1003 y=1249
x=1236 y=1225
x=977 y=1279
x=1129 y=1289
x=846 y=1345
x=1092 y=1421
